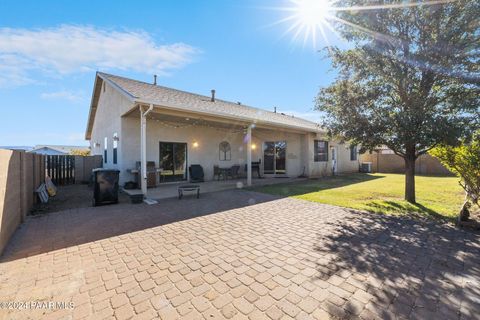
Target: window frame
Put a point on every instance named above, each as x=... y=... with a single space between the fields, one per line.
x=115 y=147
x=353 y=153
x=105 y=150
x=224 y=155
x=317 y=155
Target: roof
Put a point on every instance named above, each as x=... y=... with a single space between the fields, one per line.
x=143 y=92
x=59 y=148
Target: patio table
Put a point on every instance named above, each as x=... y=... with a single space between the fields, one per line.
x=188 y=187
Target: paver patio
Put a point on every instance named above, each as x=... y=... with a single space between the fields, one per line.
x=237 y=255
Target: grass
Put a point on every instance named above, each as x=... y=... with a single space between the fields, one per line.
x=437 y=197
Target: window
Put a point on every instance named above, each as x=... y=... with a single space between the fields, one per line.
x=224 y=151
x=115 y=145
x=353 y=153
x=105 y=142
x=320 y=150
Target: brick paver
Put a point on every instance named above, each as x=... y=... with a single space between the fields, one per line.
x=240 y=254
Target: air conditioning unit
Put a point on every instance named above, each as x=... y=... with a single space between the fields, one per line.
x=366 y=167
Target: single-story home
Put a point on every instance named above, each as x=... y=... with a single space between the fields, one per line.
x=132 y=123
x=57 y=150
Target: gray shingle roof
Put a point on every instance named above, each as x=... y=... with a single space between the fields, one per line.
x=163 y=96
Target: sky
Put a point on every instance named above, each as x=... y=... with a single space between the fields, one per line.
x=50 y=51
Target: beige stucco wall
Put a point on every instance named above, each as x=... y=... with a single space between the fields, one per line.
x=207 y=152
x=324 y=168
x=20 y=175
x=391 y=163
x=111 y=106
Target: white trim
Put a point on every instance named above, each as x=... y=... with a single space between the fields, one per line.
x=249 y=155
x=175 y=107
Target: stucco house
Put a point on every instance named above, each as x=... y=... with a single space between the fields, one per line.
x=133 y=122
x=57 y=150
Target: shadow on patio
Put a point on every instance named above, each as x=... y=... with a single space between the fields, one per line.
x=419 y=270
x=59 y=230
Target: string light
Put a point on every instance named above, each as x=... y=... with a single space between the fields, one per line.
x=196 y=123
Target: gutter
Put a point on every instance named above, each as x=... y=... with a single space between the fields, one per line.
x=176 y=108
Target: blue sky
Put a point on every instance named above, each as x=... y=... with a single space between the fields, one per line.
x=50 y=50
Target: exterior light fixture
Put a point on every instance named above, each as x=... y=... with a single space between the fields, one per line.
x=254 y=146
x=195 y=144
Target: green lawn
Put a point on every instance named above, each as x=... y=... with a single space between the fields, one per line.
x=439 y=197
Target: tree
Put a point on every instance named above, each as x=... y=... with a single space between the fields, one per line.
x=80 y=152
x=410 y=79
x=464 y=161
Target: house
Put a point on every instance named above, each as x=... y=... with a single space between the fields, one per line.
x=133 y=122
x=17 y=148
x=58 y=150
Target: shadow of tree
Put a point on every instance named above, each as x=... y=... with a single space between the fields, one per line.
x=402 y=268
x=406 y=208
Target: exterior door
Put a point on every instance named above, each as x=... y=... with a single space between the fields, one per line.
x=173 y=161
x=334 y=160
x=274 y=157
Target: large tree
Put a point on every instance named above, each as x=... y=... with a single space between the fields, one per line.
x=410 y=79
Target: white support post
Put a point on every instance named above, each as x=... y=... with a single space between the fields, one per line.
x=143 y=149
x=249 y=155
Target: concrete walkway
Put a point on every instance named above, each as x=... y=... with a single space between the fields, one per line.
x=239 y=255
x=170 y=190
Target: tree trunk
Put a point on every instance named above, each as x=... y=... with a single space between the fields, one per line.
x=410 y=179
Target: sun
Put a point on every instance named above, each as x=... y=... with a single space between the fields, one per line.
x=309 y=18
x=313 y=13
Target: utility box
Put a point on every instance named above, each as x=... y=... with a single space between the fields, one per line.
x=105 y=186
x=366 y=167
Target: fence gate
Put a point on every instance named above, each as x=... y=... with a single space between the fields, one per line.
x=61 y=169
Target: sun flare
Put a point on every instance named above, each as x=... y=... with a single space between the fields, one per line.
x=313 y=13
x=315 y=20
x=309 y=17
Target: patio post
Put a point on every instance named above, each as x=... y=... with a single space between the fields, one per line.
x=143 y=148
x=249 y=155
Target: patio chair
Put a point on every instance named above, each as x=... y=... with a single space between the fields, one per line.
x=216 y=172
x=196 y=173
x=233 y=172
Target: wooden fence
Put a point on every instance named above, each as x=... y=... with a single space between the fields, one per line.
x=61 y=169
x=68 y=169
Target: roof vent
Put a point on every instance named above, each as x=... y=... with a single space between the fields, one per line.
x=239 y=103
x=213 y=95
x=154 y=79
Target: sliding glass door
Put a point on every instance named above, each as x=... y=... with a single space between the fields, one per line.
x=173 y=161
x=274 y=157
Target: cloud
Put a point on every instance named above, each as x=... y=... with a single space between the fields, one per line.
x=70 y=49
x=63 y=95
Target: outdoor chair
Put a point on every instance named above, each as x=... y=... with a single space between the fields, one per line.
x=216 y=172
x=196 y=173
x=233 y=172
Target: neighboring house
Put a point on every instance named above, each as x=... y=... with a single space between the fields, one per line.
x=57 y=150
x=133 y=122
x=17 y=148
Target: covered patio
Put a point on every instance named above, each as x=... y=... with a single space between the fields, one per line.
x=170 y=190
x=174 y=140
